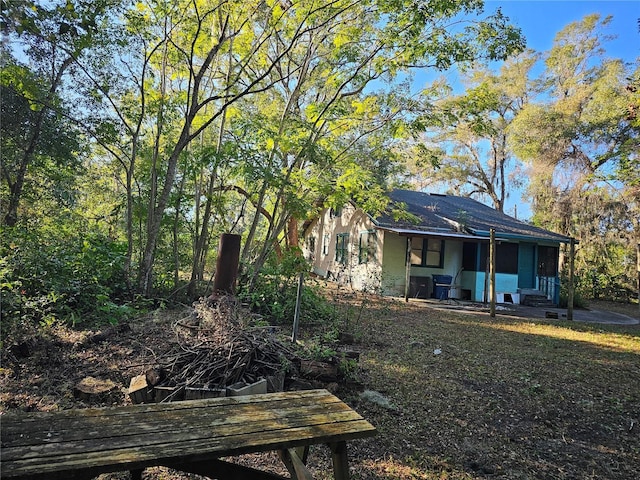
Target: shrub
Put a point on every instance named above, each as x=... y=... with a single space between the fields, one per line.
x=273 y=293
x=58 y=273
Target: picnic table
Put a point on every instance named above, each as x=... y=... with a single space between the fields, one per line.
x=191 y=436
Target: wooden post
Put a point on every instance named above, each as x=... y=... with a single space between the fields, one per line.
x=492 y=277
x=340 y=461
x=407 y=274
x=227 y=264
x=638 y=268
x=296 y=316
x=570 y=290
x=487 y=269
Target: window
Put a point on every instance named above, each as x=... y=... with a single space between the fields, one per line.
x=506 y=257
x=367 y=247
x=547 y=261
x=342 y=244
x=427 y=252
x=312 y=248
x=335 y=212
x=325 y=244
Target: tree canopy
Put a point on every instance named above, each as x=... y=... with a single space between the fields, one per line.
x=149 y=128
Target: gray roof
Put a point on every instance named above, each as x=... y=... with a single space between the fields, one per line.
x=463 y=217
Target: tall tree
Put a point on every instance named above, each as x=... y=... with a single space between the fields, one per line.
x=40 y=149
x=51 y=37
x=164 y=89
x=325 y=111
x=466 y=144
x=582 y=142
x=582 y=132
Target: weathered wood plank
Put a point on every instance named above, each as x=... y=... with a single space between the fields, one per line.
x=132 y=436
x=194 y=450
x=118 y=416
x=55 y=430
x=139 y=436
x=318 y=395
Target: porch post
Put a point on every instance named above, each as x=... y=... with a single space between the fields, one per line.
x=492 y=274
x=638 y=268
x=407 y=273
x=572 y=254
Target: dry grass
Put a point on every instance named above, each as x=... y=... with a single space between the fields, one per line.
x=517 y=399
x=504 y=398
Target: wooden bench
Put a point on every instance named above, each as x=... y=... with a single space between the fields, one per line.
x=190 y=436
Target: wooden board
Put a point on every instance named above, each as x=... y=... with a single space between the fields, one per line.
x=54 y=444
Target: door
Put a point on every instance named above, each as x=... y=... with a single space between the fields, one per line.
x=527 y=265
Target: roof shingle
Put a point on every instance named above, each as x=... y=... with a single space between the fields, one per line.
x=450 y=214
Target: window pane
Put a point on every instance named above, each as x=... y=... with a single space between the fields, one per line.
x=434 y=253
x=416 y=251
x=433 y=259
x=434 y=244
x=507 y=258
x=547 y=261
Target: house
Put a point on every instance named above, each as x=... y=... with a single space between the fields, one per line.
x=440 y=249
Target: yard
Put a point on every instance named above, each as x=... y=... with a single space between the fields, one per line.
x=469 y=396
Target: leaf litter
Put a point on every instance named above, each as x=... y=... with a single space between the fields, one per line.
x=502 y=399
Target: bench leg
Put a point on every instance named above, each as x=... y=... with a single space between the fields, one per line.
x=295 y=460
x=136 y=474
x=340 y=461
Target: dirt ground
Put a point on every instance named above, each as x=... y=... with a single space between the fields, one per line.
x=469 y=397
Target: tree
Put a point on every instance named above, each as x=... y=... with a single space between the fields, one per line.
x=172 y=93
x=271 y=46
x=39 y=147
x=584 y=124
x=466 y=145
x=582 y=142
x=326 y=112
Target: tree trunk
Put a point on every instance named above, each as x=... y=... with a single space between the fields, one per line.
x=17 y=186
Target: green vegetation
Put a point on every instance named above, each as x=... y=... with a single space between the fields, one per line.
x=135 y=133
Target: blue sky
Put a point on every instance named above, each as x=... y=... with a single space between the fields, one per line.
x=540 y=20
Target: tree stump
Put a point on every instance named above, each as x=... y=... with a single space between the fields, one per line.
x=89 y=387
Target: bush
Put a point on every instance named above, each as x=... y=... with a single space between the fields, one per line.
x=50 y=274
x=274 y=293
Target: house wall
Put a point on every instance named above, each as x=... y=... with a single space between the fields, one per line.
x=394 y=266
x=386 y=272
x=394 y=254
x=452 y=262
x=325 y=229
x=475 y=281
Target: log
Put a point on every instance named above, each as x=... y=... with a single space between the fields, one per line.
x=139 y=390
x=326 y=372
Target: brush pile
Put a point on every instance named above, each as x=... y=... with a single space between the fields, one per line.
x=217 y=347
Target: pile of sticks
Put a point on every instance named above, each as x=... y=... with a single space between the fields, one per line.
x=216 y=349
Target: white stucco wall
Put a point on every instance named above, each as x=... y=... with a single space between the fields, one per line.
x=361 y=276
